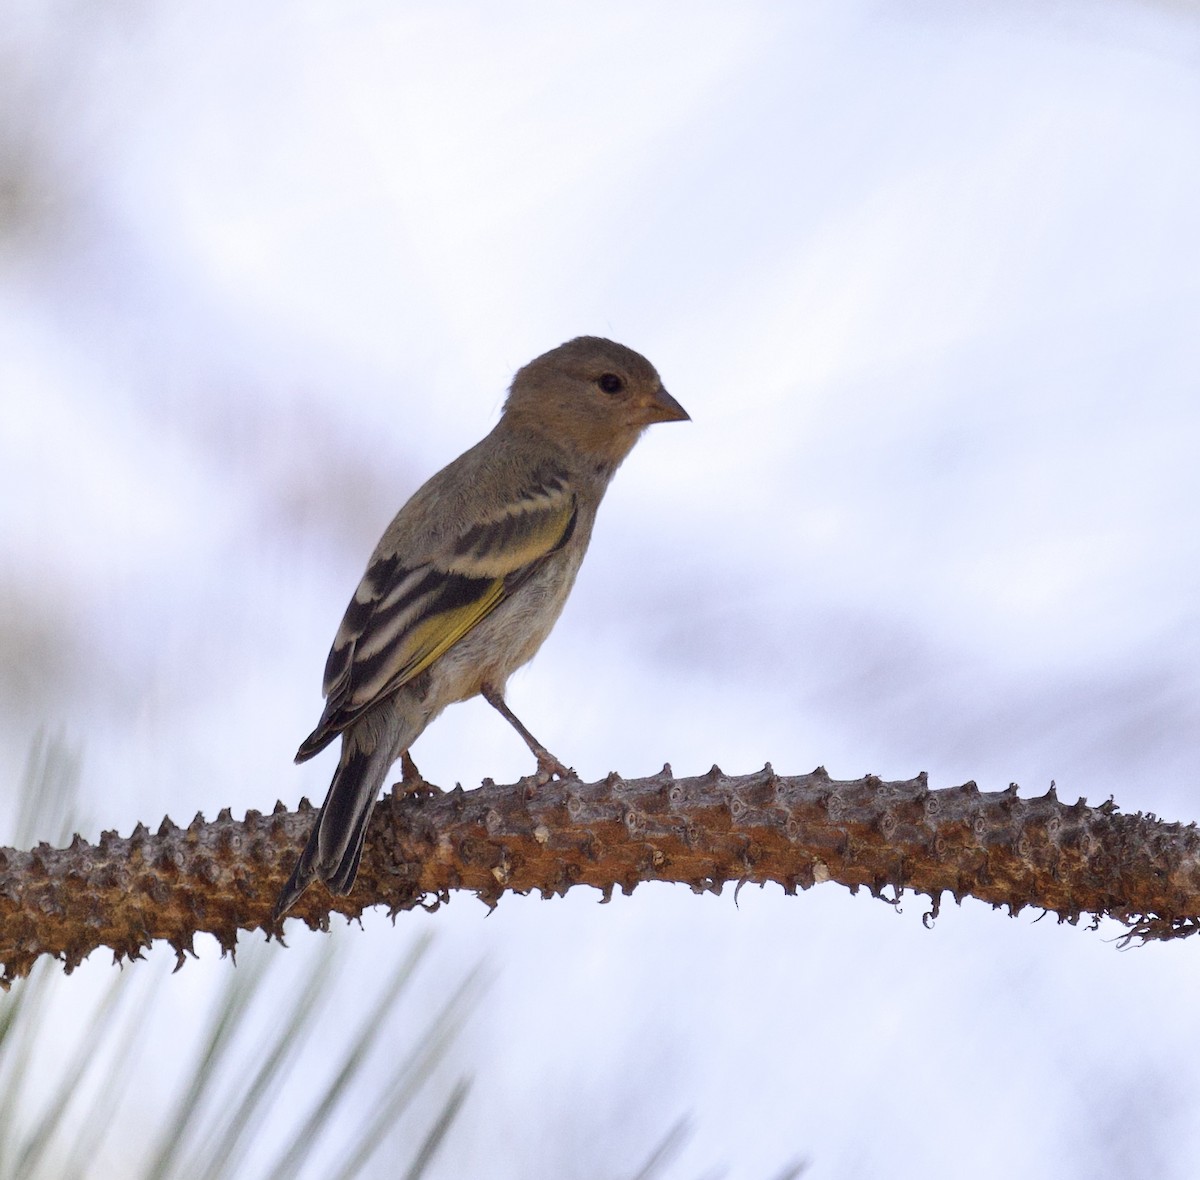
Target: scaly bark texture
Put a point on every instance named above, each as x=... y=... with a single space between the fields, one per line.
x=222 y=877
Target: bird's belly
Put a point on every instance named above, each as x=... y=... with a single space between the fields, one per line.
x=509 y=637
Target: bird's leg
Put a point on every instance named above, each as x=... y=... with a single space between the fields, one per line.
x=548 y=766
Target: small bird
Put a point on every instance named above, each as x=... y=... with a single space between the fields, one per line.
x=468 y=580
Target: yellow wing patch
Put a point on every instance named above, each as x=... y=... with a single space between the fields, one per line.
x=403 y=619
x=430 y=638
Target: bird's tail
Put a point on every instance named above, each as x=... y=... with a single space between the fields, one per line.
x=335 y=844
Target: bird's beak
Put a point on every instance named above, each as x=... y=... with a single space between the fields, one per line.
x=664 y=408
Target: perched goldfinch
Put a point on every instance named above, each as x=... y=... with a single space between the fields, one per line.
x=469 y=578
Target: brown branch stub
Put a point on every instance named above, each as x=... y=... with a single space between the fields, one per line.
x=222 y=876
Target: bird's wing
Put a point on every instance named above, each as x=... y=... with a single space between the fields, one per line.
x=404 y=616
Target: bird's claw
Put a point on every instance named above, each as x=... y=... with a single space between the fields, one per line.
x=550 y=767
x=417 y=790
x=413 y=783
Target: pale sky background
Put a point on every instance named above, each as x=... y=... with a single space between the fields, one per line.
x=927 y=277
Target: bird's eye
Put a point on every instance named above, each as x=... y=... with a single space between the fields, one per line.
x=610 y=383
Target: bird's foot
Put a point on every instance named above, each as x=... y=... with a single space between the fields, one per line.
x=412 y=782
x=550 y=767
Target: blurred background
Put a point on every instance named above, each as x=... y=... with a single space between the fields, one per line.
x=927 y=277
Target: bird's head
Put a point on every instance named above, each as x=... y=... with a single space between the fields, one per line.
x=592 y=395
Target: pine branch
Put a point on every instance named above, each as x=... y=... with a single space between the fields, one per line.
x=223 y=876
